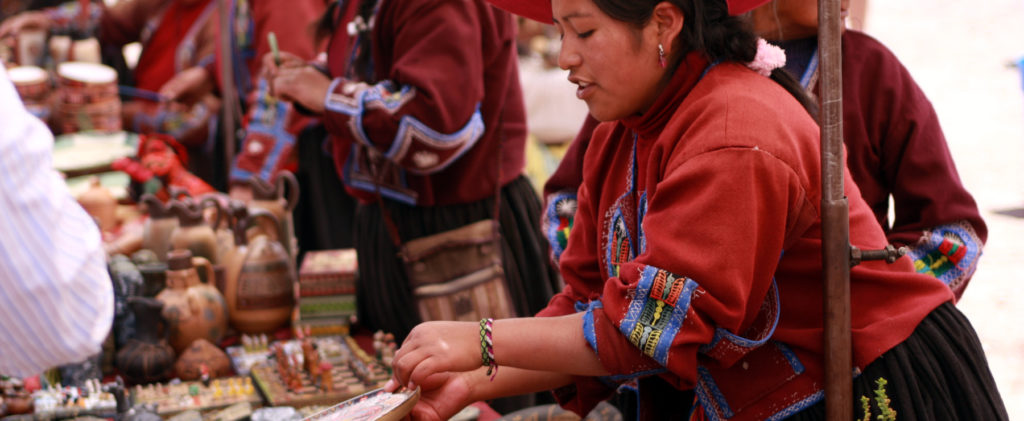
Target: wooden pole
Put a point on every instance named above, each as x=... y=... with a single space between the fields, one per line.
x=835 y=218
x=229 y=100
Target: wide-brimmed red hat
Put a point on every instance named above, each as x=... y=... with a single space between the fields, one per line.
x=540 y=10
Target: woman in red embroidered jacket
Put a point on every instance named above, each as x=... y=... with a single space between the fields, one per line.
x=433 y=87
x=695 y=258
x=175 y=37
x=894 y=141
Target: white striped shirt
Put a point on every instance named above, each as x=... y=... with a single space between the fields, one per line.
x=56 y=299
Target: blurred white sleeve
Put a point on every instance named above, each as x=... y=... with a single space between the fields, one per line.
x=56 y=304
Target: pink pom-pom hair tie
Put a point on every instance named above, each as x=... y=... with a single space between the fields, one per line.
x=768 y=58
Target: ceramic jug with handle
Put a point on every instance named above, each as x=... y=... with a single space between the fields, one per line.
x=193 y=232
x=260 y=279
x=193 y=309
x=279 y=199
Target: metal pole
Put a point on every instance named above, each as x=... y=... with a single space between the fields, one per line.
x=229 y=102
x=835 y=219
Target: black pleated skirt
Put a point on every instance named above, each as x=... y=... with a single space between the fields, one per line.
x=384 y=297
x=939 y=373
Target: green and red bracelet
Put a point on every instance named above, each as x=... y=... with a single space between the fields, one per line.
x=487 y=347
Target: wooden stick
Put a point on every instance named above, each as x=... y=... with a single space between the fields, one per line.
x=835 y=219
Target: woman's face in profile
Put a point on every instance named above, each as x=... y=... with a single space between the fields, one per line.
x=614 y=65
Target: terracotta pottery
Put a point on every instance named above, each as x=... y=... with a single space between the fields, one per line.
x=260 y=280
x=279 y=199
x=157 y=230
x=146 y=358
x=199 y=356
x=100 y=204
x=193 y=233
x=193 y=309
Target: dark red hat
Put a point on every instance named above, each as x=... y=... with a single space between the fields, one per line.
x=540 y=10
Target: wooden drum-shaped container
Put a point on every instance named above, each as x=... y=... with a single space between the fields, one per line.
x=33 y=86
x=87 y=98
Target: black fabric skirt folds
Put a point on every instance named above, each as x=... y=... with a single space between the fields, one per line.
x=385 y=300
x=938 y=373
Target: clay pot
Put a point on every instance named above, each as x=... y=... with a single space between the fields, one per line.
x=146 y=358
x=202 y=353
x=100 y=204
x=260 y=280
x=193 y=309
x=157 y=230
x=193 y=233
x=280 y=200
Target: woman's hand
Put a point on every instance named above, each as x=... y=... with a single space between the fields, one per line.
x=303 y=85
x=24 y=21
x=434 y=348
x=441 y=397
x=189 y=86
x=270 y=65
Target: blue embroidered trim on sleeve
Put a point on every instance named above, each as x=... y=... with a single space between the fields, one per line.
x=738 y=344
x=429 y=150
x=641 y=211
x=589 y=332
x=657 y=311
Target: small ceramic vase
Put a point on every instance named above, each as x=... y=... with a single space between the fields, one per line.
x=146 y=358
x=193 y=309
x=100 y=204
x=193 y=233
x=280 y=200
x=157 y=230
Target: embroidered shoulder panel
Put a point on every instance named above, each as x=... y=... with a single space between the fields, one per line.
x=557 y=221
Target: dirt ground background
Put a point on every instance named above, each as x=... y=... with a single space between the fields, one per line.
x=961 y=53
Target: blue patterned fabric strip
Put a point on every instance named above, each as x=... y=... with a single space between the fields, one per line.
x=657 y=311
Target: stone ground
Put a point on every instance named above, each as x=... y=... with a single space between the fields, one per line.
x=959 y=52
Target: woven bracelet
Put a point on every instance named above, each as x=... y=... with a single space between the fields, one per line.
x=487 y=347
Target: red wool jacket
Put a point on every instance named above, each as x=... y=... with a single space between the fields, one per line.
x=699 y=261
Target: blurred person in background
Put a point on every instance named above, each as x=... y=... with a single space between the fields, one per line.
x=175 y=37
x=57 y=302
x=895 y=146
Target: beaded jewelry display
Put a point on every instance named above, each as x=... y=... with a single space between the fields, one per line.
x=487 y=347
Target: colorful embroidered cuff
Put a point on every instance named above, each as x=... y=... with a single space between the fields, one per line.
x=69 y=16
x=949 y=253
x=657 y=311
